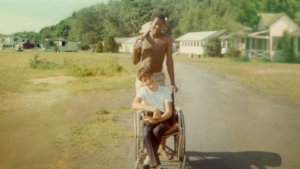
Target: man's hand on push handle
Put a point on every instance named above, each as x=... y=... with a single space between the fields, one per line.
x=174 y=87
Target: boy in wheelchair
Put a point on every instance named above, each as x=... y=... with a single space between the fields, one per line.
x=156 y=101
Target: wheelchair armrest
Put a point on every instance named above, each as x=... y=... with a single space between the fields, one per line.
x=140 y=114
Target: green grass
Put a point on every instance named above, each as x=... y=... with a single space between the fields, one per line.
x=17 y=75
x=105 y=130
x=110 y=124
x=277 y=79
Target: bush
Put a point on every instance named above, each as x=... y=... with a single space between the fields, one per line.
x=99 y=46
x=37 y=63
x=83 y=71
x=115 y=66
x=212 y=47
x=110 y=45
x=84 y=47
x=287 y=46
x=232 y=52
x=245 y=57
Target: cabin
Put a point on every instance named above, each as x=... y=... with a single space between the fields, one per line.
x=235 y=40
x=126 y=44
x=61 y=45
x=192 y=43
x=265 y=42
x=10 y=41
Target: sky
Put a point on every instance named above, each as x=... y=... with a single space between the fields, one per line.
x=33 y=15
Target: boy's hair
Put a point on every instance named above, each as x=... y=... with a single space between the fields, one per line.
x=158 y=15
x=144 y=72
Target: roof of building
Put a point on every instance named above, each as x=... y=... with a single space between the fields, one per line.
x=200 y=35
x=12 y=35
x=130 y=40
x=121 y=39
x=269 y=18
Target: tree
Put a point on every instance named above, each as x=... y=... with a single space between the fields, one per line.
x=99 y=47
x=90 y=22
x=110 y=45
x=90 y=37
x=297 y=18
x=246 y=12
x=212 y=47
x=63 y=30
x=287 y=47
x=134 y=14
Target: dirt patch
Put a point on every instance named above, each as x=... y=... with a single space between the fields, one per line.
x=31 y=133
x=108 y=158
x=53 y=80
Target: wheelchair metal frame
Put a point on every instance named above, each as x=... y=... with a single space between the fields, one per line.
x=179 y=139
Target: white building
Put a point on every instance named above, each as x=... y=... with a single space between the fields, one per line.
x=125 y=44
x=265 y=42
x=10 y=41
x=193 y=42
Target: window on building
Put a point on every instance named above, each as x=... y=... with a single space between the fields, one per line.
x=63 y=43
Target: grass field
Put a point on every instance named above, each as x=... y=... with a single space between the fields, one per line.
x=82 y=99
x=277 y=79
x=17 y=76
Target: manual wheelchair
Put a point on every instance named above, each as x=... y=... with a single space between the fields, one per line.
x=177 y=148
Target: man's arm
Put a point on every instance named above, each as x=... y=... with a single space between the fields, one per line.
x=170 y=63
x=137 y=53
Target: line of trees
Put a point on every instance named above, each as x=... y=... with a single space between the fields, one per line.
x=125 y=17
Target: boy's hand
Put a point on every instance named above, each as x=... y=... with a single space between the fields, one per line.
x=156 y=113
x=150 y=120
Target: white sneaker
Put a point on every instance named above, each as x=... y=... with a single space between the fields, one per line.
x=147 y=160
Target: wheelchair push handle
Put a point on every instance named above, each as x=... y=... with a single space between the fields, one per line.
x=173 y=92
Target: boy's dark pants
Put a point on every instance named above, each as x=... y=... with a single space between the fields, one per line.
x=152 y=137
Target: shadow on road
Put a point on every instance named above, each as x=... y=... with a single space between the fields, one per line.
x=233 y=160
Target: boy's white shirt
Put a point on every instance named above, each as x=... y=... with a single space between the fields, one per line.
x=157 y=98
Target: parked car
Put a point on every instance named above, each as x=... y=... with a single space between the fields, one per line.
x=19 y=48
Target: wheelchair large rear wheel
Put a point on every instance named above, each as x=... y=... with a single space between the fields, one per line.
x=138 y=135
x=181 y=138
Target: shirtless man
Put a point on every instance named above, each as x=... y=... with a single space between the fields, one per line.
x=155 y=46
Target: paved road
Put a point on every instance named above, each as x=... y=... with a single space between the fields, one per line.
x=230 y=126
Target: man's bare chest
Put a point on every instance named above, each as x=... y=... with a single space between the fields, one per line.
x=158 y=45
